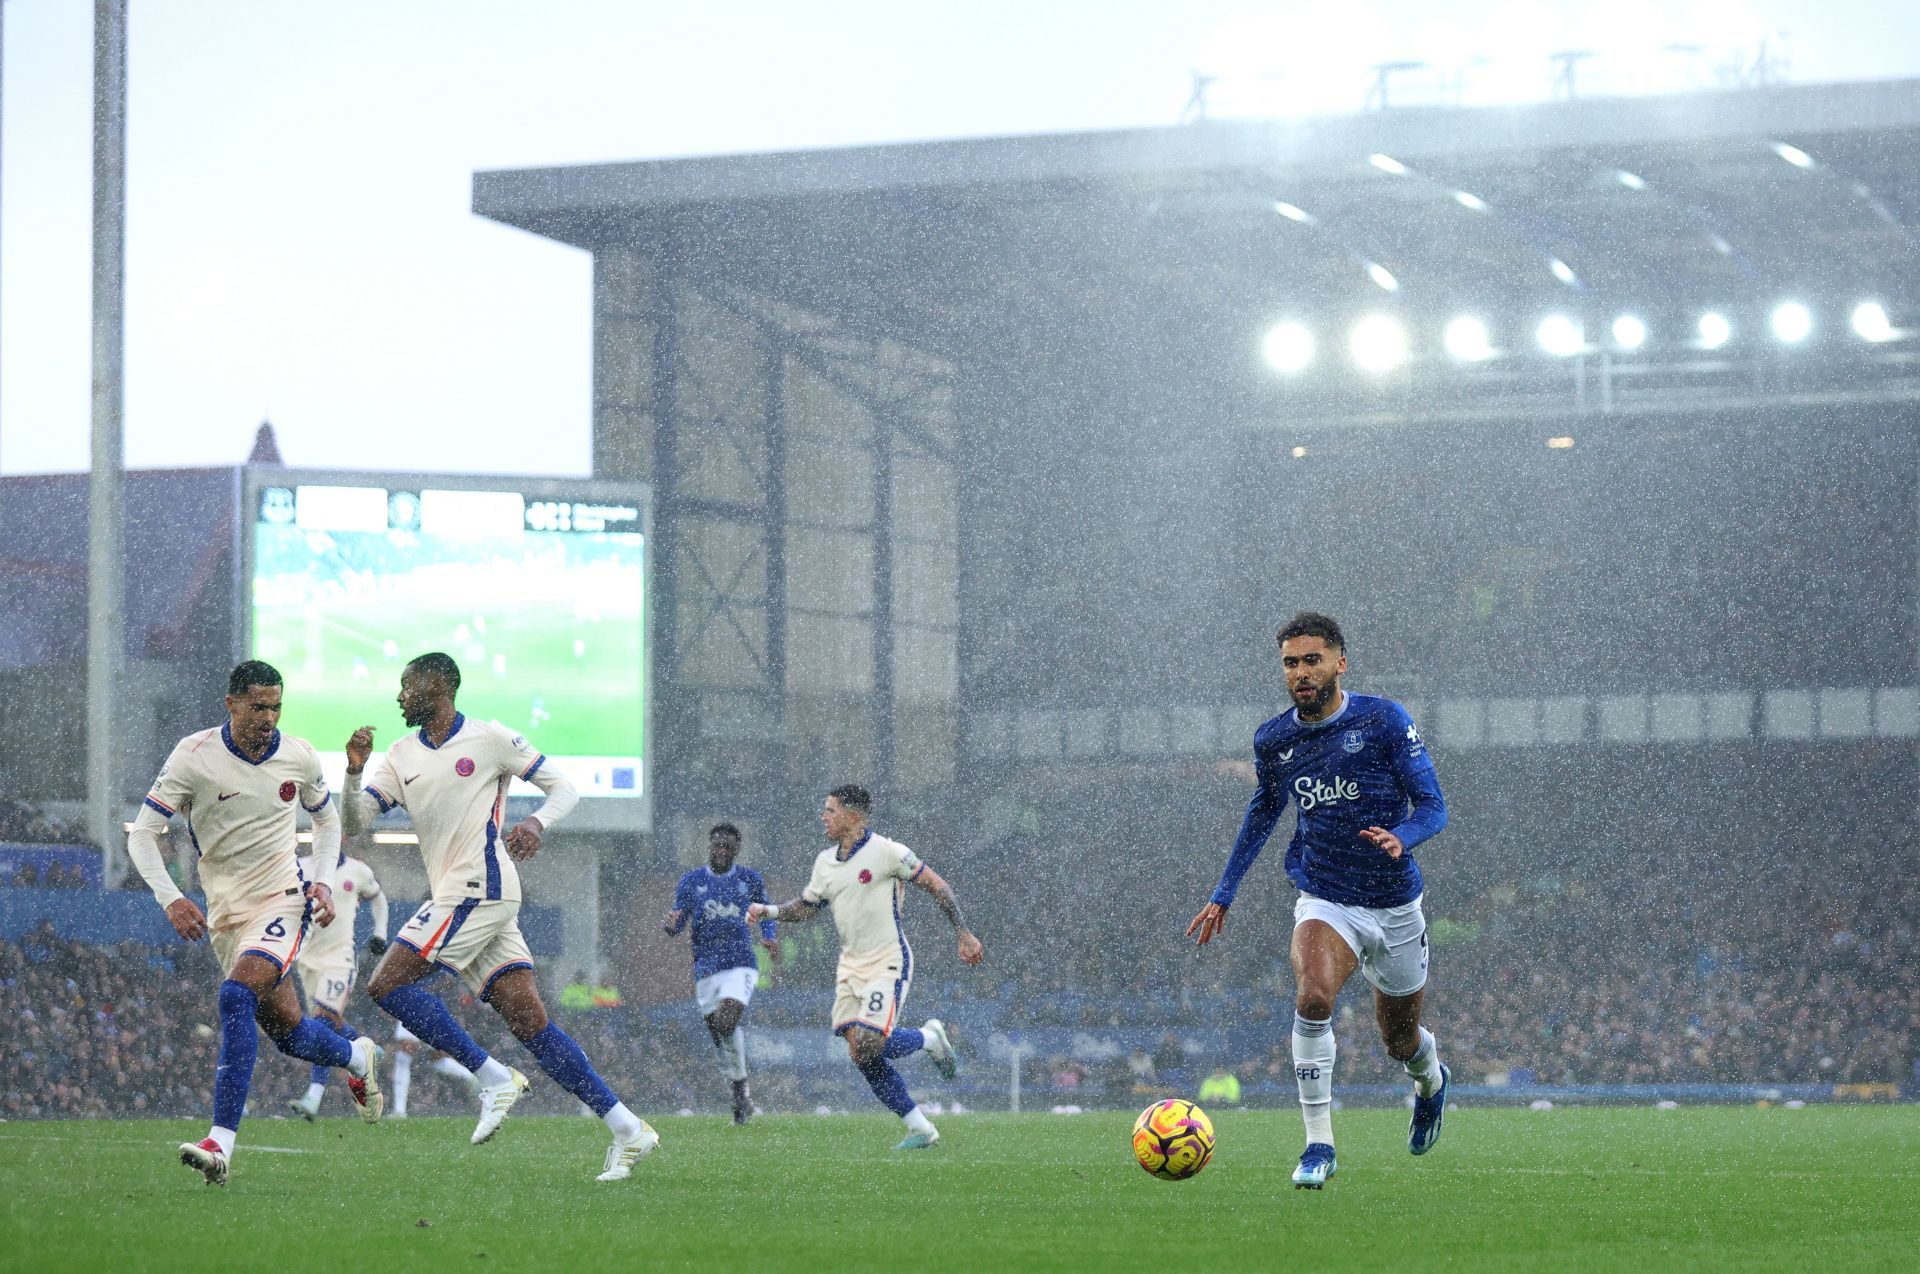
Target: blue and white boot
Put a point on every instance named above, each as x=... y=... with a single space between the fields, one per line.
x=1424 y=1129
x=1316 y=1165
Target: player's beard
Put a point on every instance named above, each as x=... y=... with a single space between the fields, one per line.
x=1317 y=705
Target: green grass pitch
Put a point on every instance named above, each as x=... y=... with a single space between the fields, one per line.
x=1589 y=1189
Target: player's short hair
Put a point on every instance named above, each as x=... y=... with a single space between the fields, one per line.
x=853 y=796
x=1311 y=623
x=724 y=829
x=254 y=672
x=436 y=663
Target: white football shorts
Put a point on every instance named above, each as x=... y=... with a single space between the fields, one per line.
x=328 y=983
x=276 y=930
x=869 y=993
x=476 y=938
x=728 y=984
x=1391 y=942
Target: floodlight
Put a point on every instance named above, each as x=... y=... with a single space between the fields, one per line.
x=1791 y=322
x=1714 y=330
x=1288 y=347
x=1382 y=277
x=1469 y=200
x=1378 y=343
x=1387 y=164
x=1466 y=339
x=1793 y=155
x=1629 y=332
x=1563 y=272
x=1870 y=322
x=1561 y=336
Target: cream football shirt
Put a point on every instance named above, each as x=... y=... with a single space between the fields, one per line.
x=456 y=795
x=864 y=891
x=241 y=816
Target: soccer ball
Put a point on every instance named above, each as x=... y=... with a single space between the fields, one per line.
x=1173 y=1139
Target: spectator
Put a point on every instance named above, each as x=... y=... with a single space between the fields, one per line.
x=1221 y=1087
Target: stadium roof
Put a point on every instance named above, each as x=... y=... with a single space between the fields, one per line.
x=1667 y=203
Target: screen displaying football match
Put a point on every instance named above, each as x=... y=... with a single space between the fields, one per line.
x=537 y=591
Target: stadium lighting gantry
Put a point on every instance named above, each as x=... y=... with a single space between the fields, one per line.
x=1466 y=340
x=1561 y=336
x=1288 y=347
x=1378 y=343
x=1870 y=322
x=1629 y=332
x=1714 y=330
x=1791 y=322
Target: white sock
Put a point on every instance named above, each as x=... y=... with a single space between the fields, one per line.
x=223 y=1137
x=1313 y=1054
x=738 y=1053
x=314 y=1093
x=454 y=1070
x=492 y=1073
x=917 y=1122
x=621 y=1121
x=1424 y=1065
x=402 y=1079
x=362 y=1058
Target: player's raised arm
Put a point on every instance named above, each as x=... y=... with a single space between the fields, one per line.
x=971 y=949
x=362 y=803
x=1263 y=812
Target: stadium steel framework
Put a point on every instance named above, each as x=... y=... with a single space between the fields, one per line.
x=824 y=361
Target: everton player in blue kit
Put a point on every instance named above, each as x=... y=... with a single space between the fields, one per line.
x=1367 y=794
x=716 y=898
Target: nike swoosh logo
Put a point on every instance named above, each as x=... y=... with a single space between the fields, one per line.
x=227 y=796
x=409 y=780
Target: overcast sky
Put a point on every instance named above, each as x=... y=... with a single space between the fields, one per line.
x=299 y=243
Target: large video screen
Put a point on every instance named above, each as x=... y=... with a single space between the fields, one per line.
x=537 y=590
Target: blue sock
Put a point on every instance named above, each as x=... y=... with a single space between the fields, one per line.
x=239 y=1046
x=423 y=1013
x=313 y=1040
x=904 y=1042
x=887 y=1085
x=568 y=1067
x=320 y=1073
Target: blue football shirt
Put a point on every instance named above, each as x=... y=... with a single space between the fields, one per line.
x=717 y=906
x=1364 y=766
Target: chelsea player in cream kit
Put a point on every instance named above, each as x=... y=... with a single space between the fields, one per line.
x=329 y=965
x=862 y=878
x=237 y=788
x=1367 y=794
x=451 y=775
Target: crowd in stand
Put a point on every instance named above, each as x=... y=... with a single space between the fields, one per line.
x=25 y=823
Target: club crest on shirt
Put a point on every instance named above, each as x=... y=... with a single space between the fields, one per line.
x=463 y=767
x=287 y=790
x=866 y=877
x=1354 y=741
